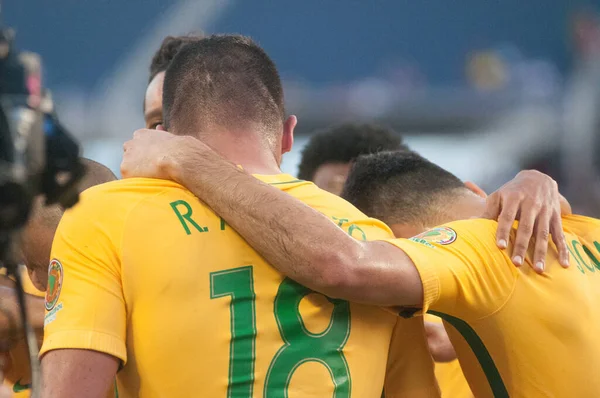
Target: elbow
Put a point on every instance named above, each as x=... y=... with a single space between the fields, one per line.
x=338 y=273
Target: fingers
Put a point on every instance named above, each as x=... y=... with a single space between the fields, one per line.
x=558 y=237
x=506 y=219
x=529 y=213
x=542 y=232
x=492 y=207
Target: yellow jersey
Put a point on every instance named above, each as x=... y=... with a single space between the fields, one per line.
x=17 y=370
x=517 y=333
x=410 y=369
x=144 y=271
x=449 y=375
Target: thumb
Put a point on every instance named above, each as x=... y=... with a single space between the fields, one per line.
x=160 y=127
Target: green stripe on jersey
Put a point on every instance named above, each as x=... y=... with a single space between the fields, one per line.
x=483 y=356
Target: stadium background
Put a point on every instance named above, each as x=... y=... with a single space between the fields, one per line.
x=483 y=88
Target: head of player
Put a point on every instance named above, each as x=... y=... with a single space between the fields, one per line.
x=161 y=59
x=226 y=91
x=36 y=240
x=410 y=193
x=328 y=156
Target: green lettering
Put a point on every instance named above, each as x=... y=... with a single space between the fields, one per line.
x=186 y=218
x=576 y=242
x=592 y=257
x=223 y=224
x=579 y=267
x=353 y=228
x=340 y=221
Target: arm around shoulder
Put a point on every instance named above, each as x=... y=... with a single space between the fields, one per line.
x=375 y=273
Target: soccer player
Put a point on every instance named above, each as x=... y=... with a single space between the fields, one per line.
x=326 y=161
x=155 y=283
x=407 y=220
x=328 y=156
x=488 y=303
x=520 y=332
x=170 y=46
x=35 y=245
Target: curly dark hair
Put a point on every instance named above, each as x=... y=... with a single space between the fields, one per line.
x=344 y=143
x=167 y=50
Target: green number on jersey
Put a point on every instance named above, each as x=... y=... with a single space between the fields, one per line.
x=238 y=283
x=300 y=345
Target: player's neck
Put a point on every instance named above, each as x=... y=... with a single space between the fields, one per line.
x=254 y=156
x=463 y=207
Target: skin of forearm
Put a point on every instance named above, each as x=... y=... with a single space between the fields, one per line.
x=330 y=261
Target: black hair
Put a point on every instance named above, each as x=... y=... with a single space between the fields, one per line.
x=399 y=187
x=225 y=80
x=166 y=52
x=343 y=144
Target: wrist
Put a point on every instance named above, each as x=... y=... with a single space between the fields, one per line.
x=179 y=159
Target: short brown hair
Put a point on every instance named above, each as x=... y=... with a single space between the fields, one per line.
x=224 y=80
x=400 y=187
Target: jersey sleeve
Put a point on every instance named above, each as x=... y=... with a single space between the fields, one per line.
x=463 y=272
x=365 y=229
x=410 y=369
x=85 y=307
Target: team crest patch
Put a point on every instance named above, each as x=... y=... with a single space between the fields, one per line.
x=55 y=279
x=440 y=236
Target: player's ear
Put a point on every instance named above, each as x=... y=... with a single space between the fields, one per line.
x=287 y=140
x=475 y=189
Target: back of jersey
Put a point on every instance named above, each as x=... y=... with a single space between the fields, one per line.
x=560 y=308
x=516 y=333
x=207 y=316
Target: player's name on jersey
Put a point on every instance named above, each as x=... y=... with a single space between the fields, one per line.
x=584 y=258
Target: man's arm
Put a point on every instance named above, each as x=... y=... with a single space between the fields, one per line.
x=85 y=330
x=297 y=240
x=439 y=343
x=314 y=252
x=78 y=373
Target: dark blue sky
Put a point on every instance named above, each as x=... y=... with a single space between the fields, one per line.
x=319 y=41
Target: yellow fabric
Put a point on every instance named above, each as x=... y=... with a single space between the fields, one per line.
x=449 y=375
x=410 y=367
x=138 y=281
x=17 y=371
x=538 y=329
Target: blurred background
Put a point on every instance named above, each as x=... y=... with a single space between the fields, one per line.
x=483 y=88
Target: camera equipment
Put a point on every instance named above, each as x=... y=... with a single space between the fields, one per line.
x=37 y=158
